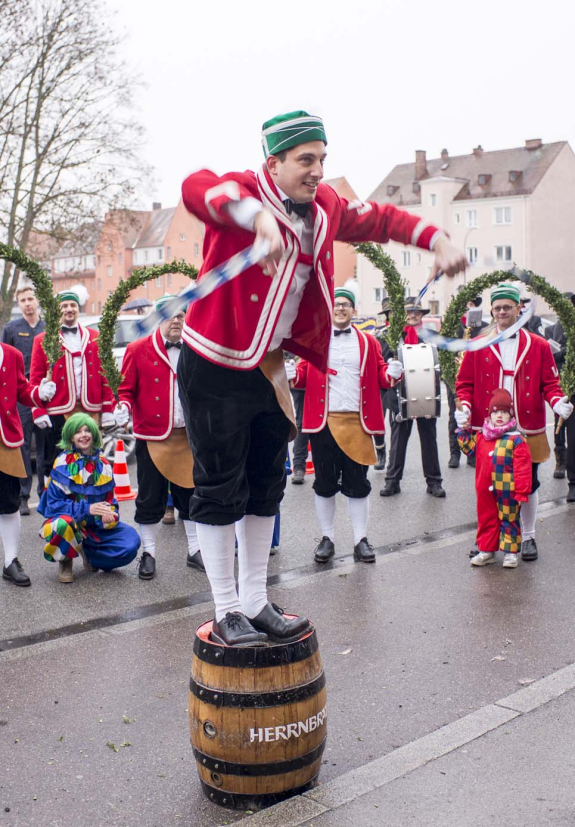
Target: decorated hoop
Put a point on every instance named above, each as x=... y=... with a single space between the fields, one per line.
x=113 y=305
x=395 y=287
x=44 y=291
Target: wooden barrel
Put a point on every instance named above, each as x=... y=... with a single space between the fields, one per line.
x=257 y=719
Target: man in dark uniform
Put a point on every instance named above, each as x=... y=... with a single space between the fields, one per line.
x=565 y=439
x=21 y=334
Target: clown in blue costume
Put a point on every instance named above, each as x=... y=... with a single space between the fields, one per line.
x=80 y=510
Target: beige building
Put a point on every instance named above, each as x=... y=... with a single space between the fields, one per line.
x=505 y=207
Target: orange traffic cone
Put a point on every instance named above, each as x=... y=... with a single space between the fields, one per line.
x=122 y=489
x=309 y=469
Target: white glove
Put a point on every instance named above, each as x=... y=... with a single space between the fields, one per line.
x=394 y=369
x=563 y=408
x=462 y=418
x=43 y=421
x=290 y=369
x=47 y=390
x=121 y=415
x=108 y=419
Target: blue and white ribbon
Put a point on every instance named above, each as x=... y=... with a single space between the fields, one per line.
x=209 y=282
x=426 y=287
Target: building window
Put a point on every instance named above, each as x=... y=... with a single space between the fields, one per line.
x=169 y=279
x=378 y=294
x=432 y=199
x=472 y=255
x=99 y=307
x=406 y=258
x=169 y=253
x=99 y=284
x=160 y=253
x=418 y=258
x=502 y=215
x=109 y=292
x=99 y=260
x=109 y=271
x=196 y=250
x=471 y=218
x=504 y=253
x=159 y=281
x=145 y=255
x=182 y=236
x=109 y=246
x=92 y=308
x=456 y=218
x=119 y=258
x=434 y=307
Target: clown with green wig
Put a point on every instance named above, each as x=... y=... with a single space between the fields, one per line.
x=233 y=384
x=81 y=387
x=81 y=515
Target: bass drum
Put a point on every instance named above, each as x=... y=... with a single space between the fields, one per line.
x=419 y=391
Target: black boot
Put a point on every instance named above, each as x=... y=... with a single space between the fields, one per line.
x=390 y=488
x=381 y=458
x=453 y=460
x=435 y=489
x=571 y=493
x=560 y=459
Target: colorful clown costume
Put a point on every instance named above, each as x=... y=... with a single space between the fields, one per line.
x=76 y=482
x=502 y=483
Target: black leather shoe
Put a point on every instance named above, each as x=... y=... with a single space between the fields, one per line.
x=381 y=459
x=194 y=561
x=390 y=488
x=324 y=550
x=435 y=489
x=471 y=461
x=277 y=627
x=363 y=552
x=16 y=574
x=453 y=461
x=236 y=630
x=298 y=476
x=529 y=550
x=571 y=494
x=24 y=507
x=147 y=568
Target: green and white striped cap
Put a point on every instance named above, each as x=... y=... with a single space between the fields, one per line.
x=291 y=129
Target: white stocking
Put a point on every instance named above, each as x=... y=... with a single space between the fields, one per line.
x=529 y=516
x=217 y=543
x=254 y=542
x=358 y=514
x=325 y=510
x=148 y=535
x=192 y=535
x=10 y=534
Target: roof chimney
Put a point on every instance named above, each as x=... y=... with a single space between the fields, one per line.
x=156 y=205
x=420 y=164
x=478 y=151
x=444 y=156
x=533 y=143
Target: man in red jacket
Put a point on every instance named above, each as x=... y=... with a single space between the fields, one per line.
x=149 y=392
x=238 y=416
x=15 y=389
x=77 y=374
x=342 y=413
x=524 y=366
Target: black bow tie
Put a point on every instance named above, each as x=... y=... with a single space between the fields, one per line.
x=173 y=344
x=69 y=330
x=300 y=209
x=339 y=332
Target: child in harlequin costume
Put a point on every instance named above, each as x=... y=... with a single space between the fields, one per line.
x=502 y=480
x=80 y=510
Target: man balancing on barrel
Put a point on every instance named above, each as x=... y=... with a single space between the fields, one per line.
x=232 y=380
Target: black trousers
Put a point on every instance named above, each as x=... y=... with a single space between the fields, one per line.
x=400 y=433
x=153 y=490
x=30 y=430
x=454 y=448
x=565 y=442
x=52 y=437
x=299 y=446
x=334 y=470
x=238 y=435
x=9 y=493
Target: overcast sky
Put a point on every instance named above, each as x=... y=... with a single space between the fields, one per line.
x=387 y=77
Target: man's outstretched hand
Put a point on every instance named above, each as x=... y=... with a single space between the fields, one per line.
x=448 y=259
x=266 y=229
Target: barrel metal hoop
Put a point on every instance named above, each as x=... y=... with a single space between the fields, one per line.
x=256 y=700
x=251 y=657
x=236 y=801
x=254 y=770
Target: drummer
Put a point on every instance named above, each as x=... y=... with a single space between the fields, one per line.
x=401 y=431
x=342 y=413
x=149 y=392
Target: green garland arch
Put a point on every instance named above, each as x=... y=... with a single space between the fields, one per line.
x=395 y=286
x=113 y=305
x=45 y=293
x=536 y=284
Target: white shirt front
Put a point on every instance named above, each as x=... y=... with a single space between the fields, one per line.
x=74 y=343
x=174 y=356
x=344 y=359
x=508 y=350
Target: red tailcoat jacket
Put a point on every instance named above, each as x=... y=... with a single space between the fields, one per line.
x=233 y=326
x=149 y=387
x=14 y=388
x=372 y=377
x=95 y=393
x=535 y=382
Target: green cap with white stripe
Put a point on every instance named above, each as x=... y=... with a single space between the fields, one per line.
x=291 y=129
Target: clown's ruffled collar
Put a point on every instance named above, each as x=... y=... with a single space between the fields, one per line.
x=83 y=474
